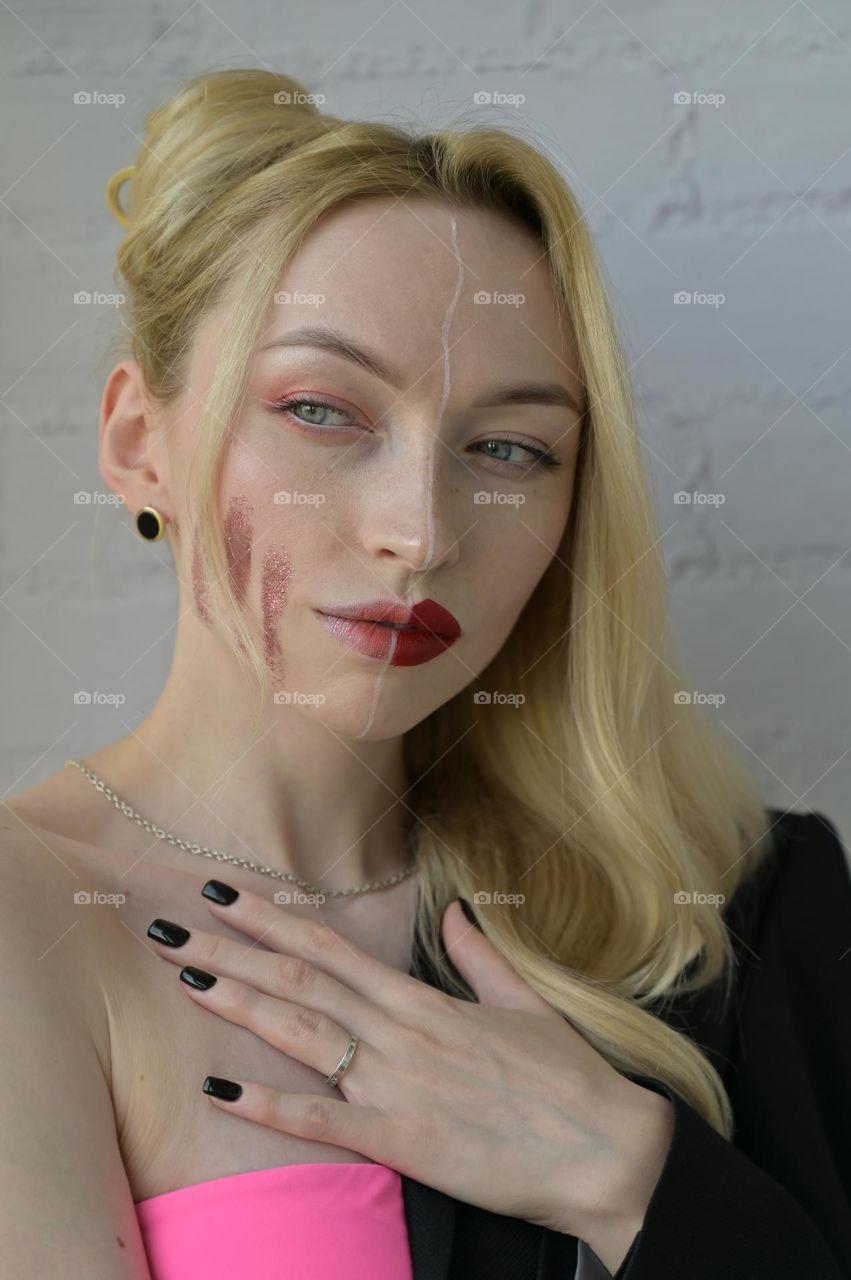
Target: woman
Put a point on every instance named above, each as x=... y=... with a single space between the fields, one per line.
x=374 y=400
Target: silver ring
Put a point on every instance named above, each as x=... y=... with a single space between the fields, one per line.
x=340 y=1069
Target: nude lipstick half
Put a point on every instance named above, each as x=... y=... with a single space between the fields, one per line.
x=422 y=632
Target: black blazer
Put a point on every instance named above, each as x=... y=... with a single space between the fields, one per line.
x=775 y=1203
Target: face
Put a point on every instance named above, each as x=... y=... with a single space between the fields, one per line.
x=403 y=458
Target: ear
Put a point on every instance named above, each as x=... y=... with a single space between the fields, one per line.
x=131 y=451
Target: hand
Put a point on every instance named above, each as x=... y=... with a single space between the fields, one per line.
x=501 y=1104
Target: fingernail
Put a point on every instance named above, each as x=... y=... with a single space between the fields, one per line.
x=218 y=891
x=166 y=931
x=227 y=1090
x=197 y=978
x=468 y=912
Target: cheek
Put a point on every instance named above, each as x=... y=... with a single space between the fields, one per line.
x=513 y=553
x=272 y=564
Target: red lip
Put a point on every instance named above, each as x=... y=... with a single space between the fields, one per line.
x=433 y=629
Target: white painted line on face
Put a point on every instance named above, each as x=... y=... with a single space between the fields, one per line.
x=431 y=467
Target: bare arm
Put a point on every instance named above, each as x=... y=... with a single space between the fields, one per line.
x=66 y=1208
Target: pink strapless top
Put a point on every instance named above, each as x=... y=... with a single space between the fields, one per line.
x=293 y=1222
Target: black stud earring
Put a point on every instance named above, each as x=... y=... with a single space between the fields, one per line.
x=150 y=524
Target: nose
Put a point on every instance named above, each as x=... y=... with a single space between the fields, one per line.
x=408 y=516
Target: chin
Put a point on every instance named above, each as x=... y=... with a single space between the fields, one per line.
x=373 y=707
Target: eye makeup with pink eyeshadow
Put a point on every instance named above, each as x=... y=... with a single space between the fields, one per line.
x=238 y=534
x=275 y=582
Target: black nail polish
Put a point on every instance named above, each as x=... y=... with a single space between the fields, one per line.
x=219 y=892
x=197 y=978
x=468 y=912
x=227 y=1090
x=166 y=931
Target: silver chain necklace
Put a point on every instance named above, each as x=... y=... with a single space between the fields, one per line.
x=204 y=852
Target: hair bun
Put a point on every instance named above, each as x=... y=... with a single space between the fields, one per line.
x=202 y=134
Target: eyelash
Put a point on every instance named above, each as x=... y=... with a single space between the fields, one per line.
x=542 y=456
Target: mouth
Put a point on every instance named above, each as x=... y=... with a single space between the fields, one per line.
x=426 y=616
x=392 y=626
x=399 y=634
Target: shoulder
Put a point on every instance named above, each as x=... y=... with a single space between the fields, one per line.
x=57 y=952
x=802 y=884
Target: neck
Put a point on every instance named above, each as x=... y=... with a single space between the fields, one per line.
x=285 y=791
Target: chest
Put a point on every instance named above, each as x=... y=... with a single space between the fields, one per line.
x=163 y=1044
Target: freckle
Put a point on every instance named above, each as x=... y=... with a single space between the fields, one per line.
x=199 y=586
x=277 y=572
x=238 y=546
x=121 y=1243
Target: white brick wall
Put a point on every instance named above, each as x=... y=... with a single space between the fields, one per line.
x=749 y=198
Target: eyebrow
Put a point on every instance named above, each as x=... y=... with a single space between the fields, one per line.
x=548 y=393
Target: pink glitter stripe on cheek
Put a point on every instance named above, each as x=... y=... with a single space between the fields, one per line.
x=277 y=572
x=238 y=546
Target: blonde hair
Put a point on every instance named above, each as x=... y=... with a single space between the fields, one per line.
x=608 y=797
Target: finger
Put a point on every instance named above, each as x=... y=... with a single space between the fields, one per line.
x=302 y=1033
x=272 y=974
x=488 y=973
x=316 y=942
x=343 y=1124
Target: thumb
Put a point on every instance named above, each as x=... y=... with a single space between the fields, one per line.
x=487 y=972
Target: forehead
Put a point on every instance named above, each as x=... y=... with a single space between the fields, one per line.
x=407 y=276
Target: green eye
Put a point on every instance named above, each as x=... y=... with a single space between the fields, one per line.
x=317 y=407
